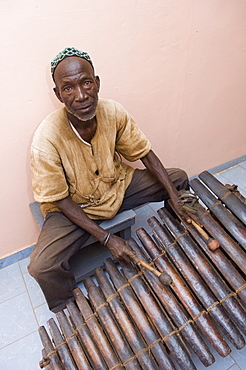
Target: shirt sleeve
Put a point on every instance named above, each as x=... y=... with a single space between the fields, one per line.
x=48 y=178
x=131 y=142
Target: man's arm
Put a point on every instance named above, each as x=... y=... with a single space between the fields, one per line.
x=118 y=247
x=154 y=165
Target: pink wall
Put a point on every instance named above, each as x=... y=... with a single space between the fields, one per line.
x=177 y=65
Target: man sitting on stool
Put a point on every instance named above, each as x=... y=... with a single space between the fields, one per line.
x=79 y=178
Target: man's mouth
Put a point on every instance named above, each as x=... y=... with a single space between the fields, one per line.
x=84 y=108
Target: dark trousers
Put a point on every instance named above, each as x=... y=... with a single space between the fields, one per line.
x=60 y=238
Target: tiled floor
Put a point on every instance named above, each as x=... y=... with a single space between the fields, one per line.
x=23 y=308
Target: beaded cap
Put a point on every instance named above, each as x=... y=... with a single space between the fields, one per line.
x=69 y=52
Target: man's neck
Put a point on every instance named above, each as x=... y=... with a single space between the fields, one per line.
x=86 y=129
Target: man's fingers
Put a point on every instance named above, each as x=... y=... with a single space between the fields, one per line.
x=120 y=249
x=126 y=258
x=129 y=252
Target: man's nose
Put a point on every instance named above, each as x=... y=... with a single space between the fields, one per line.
x=80 y=93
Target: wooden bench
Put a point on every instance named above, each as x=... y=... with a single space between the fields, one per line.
x=92 y=254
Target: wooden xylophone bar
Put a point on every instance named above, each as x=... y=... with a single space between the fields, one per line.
x=126 y=319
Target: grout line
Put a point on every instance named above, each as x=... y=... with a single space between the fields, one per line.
x=22 y=274
x=232 y=360
x=9 y=299
x=17 y=340
x=231 y=367
x=29 y=296
x=42 y=304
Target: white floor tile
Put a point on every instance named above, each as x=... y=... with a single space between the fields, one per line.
x=43 y=314
x=236 y=175
x=23 y=265
x=240 y=357
x=34 y=290
x=243 y=192
x=16 y=319
x=11 y=282
x=221 y=178
x=243 y=164
x=24 y=354
x=235 y=367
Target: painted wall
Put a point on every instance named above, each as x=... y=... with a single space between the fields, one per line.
x=178 y=66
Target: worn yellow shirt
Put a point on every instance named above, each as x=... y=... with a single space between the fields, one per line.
x=63 y=165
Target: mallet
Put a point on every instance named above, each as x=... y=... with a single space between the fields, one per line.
x=212 y=244
x=163 y=277
x=191 y=207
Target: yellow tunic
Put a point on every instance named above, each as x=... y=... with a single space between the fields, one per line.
x=63 y=165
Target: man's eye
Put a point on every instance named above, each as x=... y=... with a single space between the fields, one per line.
x=67 y=88
x=87 y=83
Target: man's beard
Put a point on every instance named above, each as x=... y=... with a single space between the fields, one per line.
x=87 y=117
x=84 y=119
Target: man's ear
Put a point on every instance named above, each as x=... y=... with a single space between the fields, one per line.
x=97 y=78
x=56 y=91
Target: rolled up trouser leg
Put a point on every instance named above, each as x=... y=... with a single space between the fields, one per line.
x=49 y=261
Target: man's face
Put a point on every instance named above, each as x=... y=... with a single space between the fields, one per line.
x=77 y=87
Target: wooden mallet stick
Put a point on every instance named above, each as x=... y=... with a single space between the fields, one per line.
x=163 y=277
x=190 y=204
x=212 y=244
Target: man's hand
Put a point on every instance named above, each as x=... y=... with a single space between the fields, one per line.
x=186 y=205
x=154 y=165
x=178 y=208
x=119 y=248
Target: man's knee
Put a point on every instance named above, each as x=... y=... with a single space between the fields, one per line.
x=35 y=268
x=179 y=178
x=39 y=266
x=184 y=179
